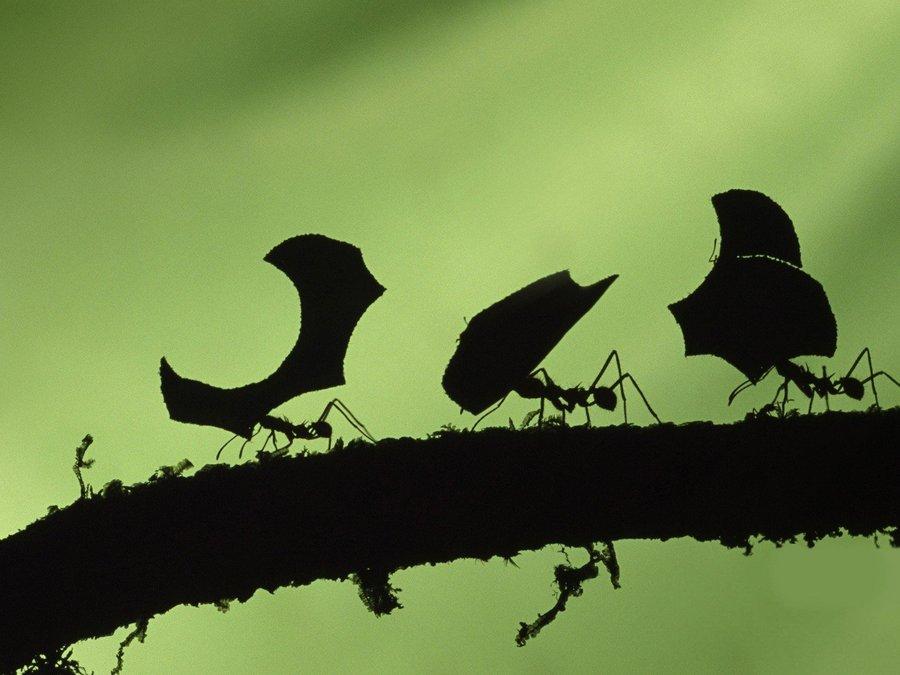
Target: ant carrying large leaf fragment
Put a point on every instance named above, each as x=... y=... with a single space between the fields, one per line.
x=335 y=289
x=501 y=348
x=757 y=309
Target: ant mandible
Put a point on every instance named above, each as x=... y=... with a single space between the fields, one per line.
x=304 y=431
x=567 y=399
x=823 y=386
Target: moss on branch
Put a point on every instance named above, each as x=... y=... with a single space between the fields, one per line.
x=126 y=554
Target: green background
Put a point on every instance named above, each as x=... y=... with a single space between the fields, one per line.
x=150 y=156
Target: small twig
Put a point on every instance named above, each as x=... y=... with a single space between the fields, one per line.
x=139 y=632
x=80 y=463
x=569 y=580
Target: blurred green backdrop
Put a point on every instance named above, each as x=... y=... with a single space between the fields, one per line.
x=152 y=154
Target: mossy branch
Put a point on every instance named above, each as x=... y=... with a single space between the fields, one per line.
x=128 y=553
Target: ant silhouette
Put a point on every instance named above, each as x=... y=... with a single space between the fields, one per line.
x=304 y=431
x=567 y=399
x=822 y=386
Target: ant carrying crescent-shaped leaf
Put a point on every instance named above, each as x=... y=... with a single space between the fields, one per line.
x=335 y=289
x=320 y=428
x=502 y=346
x=757 y=309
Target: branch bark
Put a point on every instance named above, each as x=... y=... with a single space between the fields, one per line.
x=125 y=555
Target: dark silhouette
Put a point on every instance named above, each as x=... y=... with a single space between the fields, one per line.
x=335 y=290
x=566 y=399
x=502 y=346
x=754 y=312
x=756 y=307
x=130 y=552
x=752 y=224
x=307 y=431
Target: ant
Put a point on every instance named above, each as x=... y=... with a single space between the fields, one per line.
x=305 y=430
x=566 y=400
x=770 y=410
x=823 y=386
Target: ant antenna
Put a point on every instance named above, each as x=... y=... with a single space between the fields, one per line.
x=627 y=376
x=712 y=256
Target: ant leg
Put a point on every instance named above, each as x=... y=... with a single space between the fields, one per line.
x=540 y=414
x=290 y=441
x=882 y=372
x=342 y=408
x=871 y=377
x=253 y=433
x=614 y=355
x=587 y=415
x=219 y=453
x=778 y=391
x=627 y=376
x=270 y=435
x=498 y=404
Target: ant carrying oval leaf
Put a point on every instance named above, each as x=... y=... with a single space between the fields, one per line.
x=501 y=348
x=757 y=309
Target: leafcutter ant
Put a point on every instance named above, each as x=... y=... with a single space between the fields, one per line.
x=541 y=386
x=822 y=386
x=319 y=428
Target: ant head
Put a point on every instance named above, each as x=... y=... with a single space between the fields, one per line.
x=531 y=387
x=321 y=429
x=605 y=398
x=852 y=387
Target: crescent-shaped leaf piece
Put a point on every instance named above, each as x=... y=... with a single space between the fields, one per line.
x=754 y=312
x=750 y=223
x=335 y=289
x=505 y=342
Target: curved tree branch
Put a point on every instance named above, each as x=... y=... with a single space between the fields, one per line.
x=126 y=554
